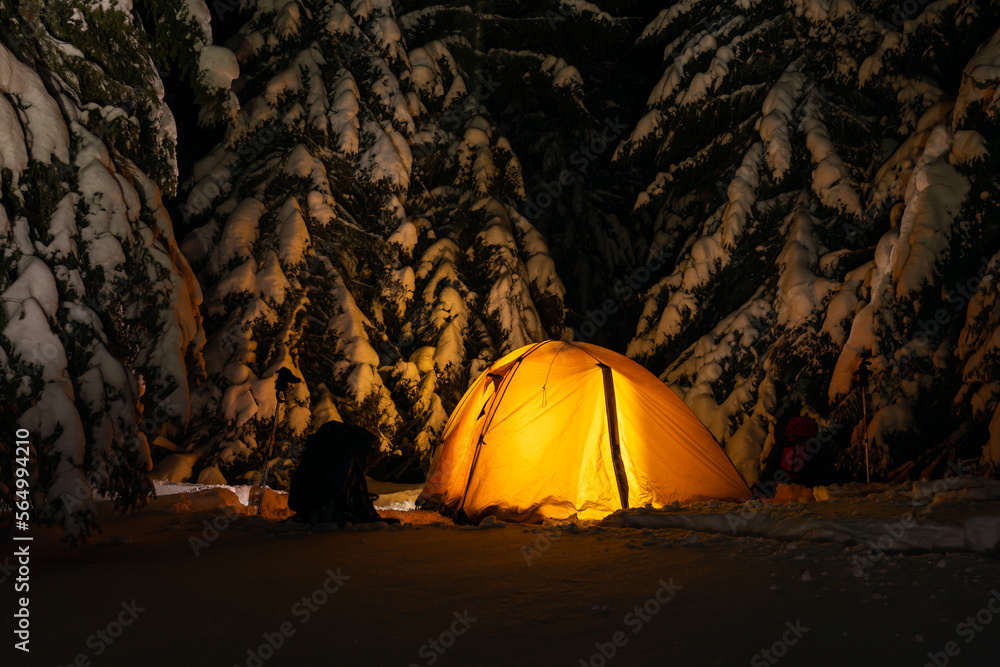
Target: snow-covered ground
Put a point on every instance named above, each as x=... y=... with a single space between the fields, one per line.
x=391 y=496
x=857 y=579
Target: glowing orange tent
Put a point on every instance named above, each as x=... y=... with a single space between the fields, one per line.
x=561 y=428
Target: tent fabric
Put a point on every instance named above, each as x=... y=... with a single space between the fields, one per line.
x=532 y=438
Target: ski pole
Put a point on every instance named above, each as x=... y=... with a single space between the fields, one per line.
x=267 y=459
x=282 y=379
x=864 y=417
x=864 y=375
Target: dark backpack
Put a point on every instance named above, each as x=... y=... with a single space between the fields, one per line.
x=329 y=483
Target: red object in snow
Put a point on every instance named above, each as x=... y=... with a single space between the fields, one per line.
x=795 y=455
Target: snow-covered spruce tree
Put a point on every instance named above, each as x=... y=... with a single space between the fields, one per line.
x=562 y=73
x=976 y=126
x=855 y=216
x=358 y=225
x=99 y=318
x=180 y=38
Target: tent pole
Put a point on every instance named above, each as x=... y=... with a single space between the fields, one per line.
x=611 y=410
x=497 y=397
